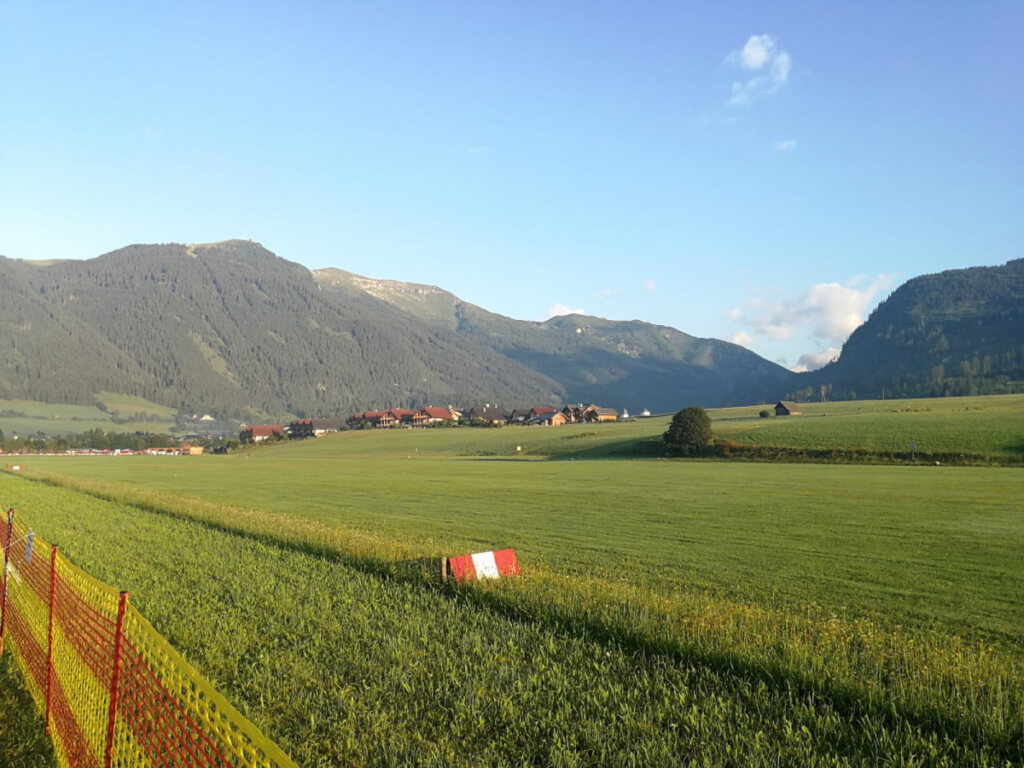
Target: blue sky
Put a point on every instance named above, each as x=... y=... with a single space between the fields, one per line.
x=757 y=172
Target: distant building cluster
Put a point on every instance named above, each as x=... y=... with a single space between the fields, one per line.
x=432 y=416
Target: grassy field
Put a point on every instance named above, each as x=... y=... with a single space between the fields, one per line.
x=979 y=426
x=128 y=407
x=671 y=612
x=123 y=414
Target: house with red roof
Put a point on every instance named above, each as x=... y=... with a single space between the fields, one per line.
x=430 y=416
x=396 y=417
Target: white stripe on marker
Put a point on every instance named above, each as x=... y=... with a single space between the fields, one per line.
x=486 y=568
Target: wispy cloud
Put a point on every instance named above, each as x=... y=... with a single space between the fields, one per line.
x=829 y=312
x=763 y=56
x=561 y=309
x=789 y=145
x=650 y=286
x=607 y=293
x=812 y=361
x=743 y=339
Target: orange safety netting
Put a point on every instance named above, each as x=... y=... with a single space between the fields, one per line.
x=112 y=690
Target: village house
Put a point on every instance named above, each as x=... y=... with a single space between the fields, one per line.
x=396 y=417
x=431 y=416
x=372 y=417
x=259 y=432
x=492 y=413
x=550 y=418
x=314 y=427
x=593 y=413
x=523 y=415
x=573 y=413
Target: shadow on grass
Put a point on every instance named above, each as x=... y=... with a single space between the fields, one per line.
x=632 y=448
x=625 y=634
x=849 y=700
x=23 y=742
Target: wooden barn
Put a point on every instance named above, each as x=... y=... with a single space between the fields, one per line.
x=787 y=408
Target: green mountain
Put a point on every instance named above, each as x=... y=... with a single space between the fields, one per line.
x=621 y=364
x=233 y=330
x=959 y=332
x=50 y=354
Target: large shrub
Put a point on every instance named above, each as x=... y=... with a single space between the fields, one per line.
x=689 y=433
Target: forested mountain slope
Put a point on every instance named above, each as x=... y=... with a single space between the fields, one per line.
x=959 y=332
x=52 y=355
x=624 y=364
x=232 y=329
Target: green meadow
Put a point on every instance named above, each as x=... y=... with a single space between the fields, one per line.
x=111 y=413
x=982 y=427
x=670 y=612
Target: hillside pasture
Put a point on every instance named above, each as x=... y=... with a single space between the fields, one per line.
x=29 y=417
x=129 y=407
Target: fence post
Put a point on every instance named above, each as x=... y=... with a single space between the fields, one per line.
x=7 y=557
x=115 y=677
x=49 y=651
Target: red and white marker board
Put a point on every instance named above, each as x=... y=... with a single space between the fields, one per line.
x=484 y=565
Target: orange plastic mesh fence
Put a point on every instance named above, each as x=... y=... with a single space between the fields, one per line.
x=79 y=656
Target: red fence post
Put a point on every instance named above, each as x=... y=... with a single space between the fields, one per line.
x=114 y=678
x=7 y=557
x=49 y=652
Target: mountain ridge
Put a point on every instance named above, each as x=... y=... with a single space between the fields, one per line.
x=233 y=329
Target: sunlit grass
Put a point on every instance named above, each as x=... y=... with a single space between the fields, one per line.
x=671 y=612
x=346 y=650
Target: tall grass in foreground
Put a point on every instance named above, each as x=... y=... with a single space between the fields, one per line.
x=686 y=676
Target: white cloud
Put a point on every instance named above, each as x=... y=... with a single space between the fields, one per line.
x=829 y=312
x=762 y=55
x=788 y=145
x=607 y=293
x=561 y=309
x=743 y=339
x=650 y=286
x=756 y=53
x=812 y=361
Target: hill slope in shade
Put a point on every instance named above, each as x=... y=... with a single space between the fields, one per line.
x=624 y=364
